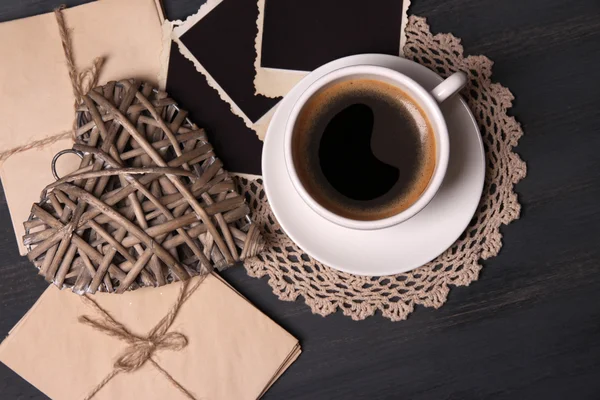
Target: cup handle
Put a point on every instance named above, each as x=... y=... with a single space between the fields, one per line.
x=451 y=85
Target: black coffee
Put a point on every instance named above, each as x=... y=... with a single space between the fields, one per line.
x=363 y=149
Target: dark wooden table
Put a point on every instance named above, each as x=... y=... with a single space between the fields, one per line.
x=530 y=327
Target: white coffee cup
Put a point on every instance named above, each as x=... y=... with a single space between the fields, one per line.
x=428 y=102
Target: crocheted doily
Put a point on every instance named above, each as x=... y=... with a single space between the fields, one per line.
x=292 y=273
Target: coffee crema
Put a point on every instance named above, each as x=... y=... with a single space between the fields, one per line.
x=363 y=149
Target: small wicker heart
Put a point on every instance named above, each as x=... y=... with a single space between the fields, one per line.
x=149 y=204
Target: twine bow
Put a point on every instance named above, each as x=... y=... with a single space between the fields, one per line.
x=141 y=348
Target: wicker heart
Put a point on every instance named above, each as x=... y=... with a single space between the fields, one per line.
x=150 y=203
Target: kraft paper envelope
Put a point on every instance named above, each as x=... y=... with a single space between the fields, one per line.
x=37 y=97
x=234 y=351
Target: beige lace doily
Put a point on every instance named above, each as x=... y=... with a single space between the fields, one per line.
x=292 y=273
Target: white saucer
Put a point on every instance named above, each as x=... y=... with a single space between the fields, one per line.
x=399 y=248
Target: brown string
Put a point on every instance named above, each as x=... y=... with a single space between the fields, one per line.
x=82 y=82
x=35 y=144
x=141 y=348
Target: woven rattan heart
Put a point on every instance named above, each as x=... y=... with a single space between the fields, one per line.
x=150 y=203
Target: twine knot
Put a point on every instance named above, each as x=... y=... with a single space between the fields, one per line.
x=143 y=349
